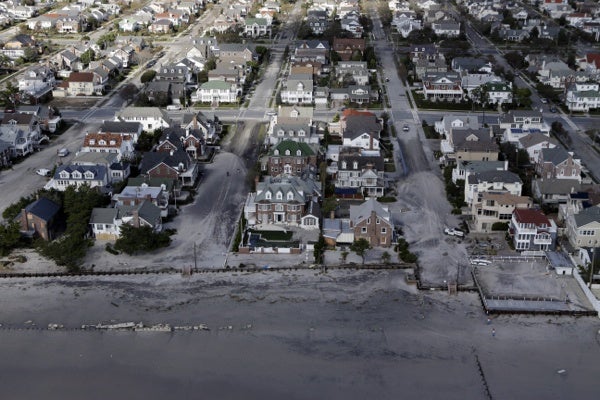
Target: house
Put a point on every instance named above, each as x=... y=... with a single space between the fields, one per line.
x=495 y=208
x=517 y=124
x=78 y=175
x=174 y=73
x=583 y=228
x=358 y=172
x=346 y=48
x=174 y=164
x=442 y=86
x=78 y=84
x=298 y=89
x=208 y=129
x=257 y=27
x=421 y=51
x=447 y=28
x=106 y=222
x=351 y=23
x=360 y=129
x=533 y=143
x=161 y=26
x=553 y=191
x=354 y=71
x=37 y=81
x=105 y=142
x=39 y=219
x=5 y=154
x=291 y=158
x=428 y=65
x=282 y=200
x=372 y=221
x=189 y=140
x=293 y=123
x=118 y=171
x=311 y=51
x=136 y=195
x=470 y=65
x=237 y=51
x=497 y=92
x=531 y=230
x=151 y=118
x=21 y=131
x=17 y=45
x=557 y=163
x=491 y=182
x=583 y=97
x=216 y=91
x=471 y=145
x=131 y=129
x=448 y=123
x=463 y=169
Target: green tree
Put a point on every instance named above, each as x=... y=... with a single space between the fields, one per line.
x=319 y=249
x=360 y=247
x=141 y=239
x=88 y=56
x=343 y=256
x=10 y=95
x=386 y=257
x=148 y=76
x=10 y=237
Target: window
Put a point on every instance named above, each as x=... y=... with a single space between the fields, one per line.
x=268 y=195
x=298 y=153
x=279 y=196
x=377 y=221
x=290 y=196
x=369 y=221
x=276 y=152
x=363 y=230
x=355 y=165
x=383 y=230
x=343 y=164
x=287 y=152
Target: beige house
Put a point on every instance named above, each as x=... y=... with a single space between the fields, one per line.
x=496 y=207
x=583 y=228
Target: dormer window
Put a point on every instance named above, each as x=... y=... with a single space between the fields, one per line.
x=301 y=133
x=112 y=142
x=343 y=164
x=276 y=152
x=298 y=153
x=64 y=175
x=287 y=152
x=102 y=142
x=92 y=141
x=355 y=165
x=76 y=175
x=268 y=195
x=89 y=175
x=290 y=196
x=279 y=196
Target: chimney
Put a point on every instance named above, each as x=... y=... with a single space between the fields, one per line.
x=171 y=153
x=23 y=220
x=371 y=142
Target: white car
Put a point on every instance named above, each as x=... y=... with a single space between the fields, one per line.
x=454 y=232
x=63 y=152
x=43 y=172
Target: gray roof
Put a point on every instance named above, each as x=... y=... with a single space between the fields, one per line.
x=356 y=125
x=121 y=127
x=99 y=171
x=556 y=155
x=301 y=189
x=494 y=176
x=104 y=215
x=557 y=186
x=146 y=211
x=94 y=158
x=589 y=215
x=535 y=138
x=363 y=211
x=351 y=156
x=474 y=167
x=153 y=112
x=152 y=159
x=43 y=208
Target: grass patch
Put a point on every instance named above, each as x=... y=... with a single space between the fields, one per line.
x=275 y=236
x=386 y=199
x=430 y=132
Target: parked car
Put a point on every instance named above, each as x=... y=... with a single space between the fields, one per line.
x=63 y=152
x=406 y=128
x=151 y=64
x=544 y=100
x=43 y=172
x=454 y=232
x=552 y=109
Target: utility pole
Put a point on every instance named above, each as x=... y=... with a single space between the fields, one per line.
x=195 y=260
x=592 y=267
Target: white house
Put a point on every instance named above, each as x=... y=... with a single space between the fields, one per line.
x=151 y=118
x=583 y=96
x=78 y=175
x=216 y=91
x=298 y=89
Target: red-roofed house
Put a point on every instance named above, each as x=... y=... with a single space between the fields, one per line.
x=105 y=142
x=531 y=230
x=590 y=64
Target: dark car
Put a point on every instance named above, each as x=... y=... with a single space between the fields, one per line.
x=553 y=109
x=151 y=64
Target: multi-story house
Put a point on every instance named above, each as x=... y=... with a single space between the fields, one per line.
x=298 y=89
x=39 y=219
x=36 y=81
x=78 y=175
x=372 y=221
x=282 y=200
x=583 y=97
x=257 y=27
x=16 y=46
x=103 y=142
x=106 y=222
x=357 y=172
x=533 y=144
x=216 y=91
x=291 y=158
x=531 y=230
x=447 y=28
x=517 y=124
x=174 y=73
x=347 y=47
x=189 y=140
x=173 y=164
x=583 y=227
x=355 y=71
x=135 y=195
x=78 y=84
x=496 y=208
x=150 y=118
x=442 y=87
x=470 y=145
x=497 y=92
x=557 y=163
x=360 y=129
x=491 y=182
